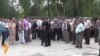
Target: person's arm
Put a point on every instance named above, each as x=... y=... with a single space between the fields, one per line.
x=36 y=25
x=3 y=25
x=77 y=28
x=82 y=27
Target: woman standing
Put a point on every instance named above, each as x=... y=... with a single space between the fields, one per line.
x=12 y=31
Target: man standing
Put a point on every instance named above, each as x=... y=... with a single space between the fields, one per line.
x=26 y=27
x=73 y=27
x=6 y=23
x=65 y=31
x=55 y=28
x=45 y=33
x=79 y=34
x=98 y=24
x=29 y=30
x=39 y=26
x=21 y=31
x=34 y=26
x=59 y=30
x=3 y=31
x=52 y=32
x=87 y=25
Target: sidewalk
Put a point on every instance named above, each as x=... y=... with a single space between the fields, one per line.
x=59 y=48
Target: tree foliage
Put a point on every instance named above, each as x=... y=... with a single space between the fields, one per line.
x=25 y=5
x=6 y=10
x=70 y=8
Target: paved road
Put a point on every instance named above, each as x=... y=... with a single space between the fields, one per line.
x=58 y=48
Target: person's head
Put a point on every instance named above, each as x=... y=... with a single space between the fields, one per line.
x=46 y=19
x=11 y=20
x=98 y=20
x=55 y=20
x=85 y=19
x=5 y=20
x=66 y=20
x=88 y=21
x=79 y=21
x=8 y=20
x=20 y=19
x=14 y=19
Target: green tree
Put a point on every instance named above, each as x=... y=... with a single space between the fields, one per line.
x=6 y=10
x=37 y=8
x=26 y=5
x=70 y=8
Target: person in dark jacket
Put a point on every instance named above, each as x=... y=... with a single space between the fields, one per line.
x=17 y=37
x=45 y=33
x=96 y=26
x=60 y=36
x=34 y=26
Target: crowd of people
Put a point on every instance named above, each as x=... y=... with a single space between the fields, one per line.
x=25 y=30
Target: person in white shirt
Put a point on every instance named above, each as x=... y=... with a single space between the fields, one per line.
x=39 y=27
x=73 y=25
x=21 y=31
x=52 y=32
x=65 y=31
x=79 y=34
x=39 y=23
x=29 y=30
x=87 y=25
